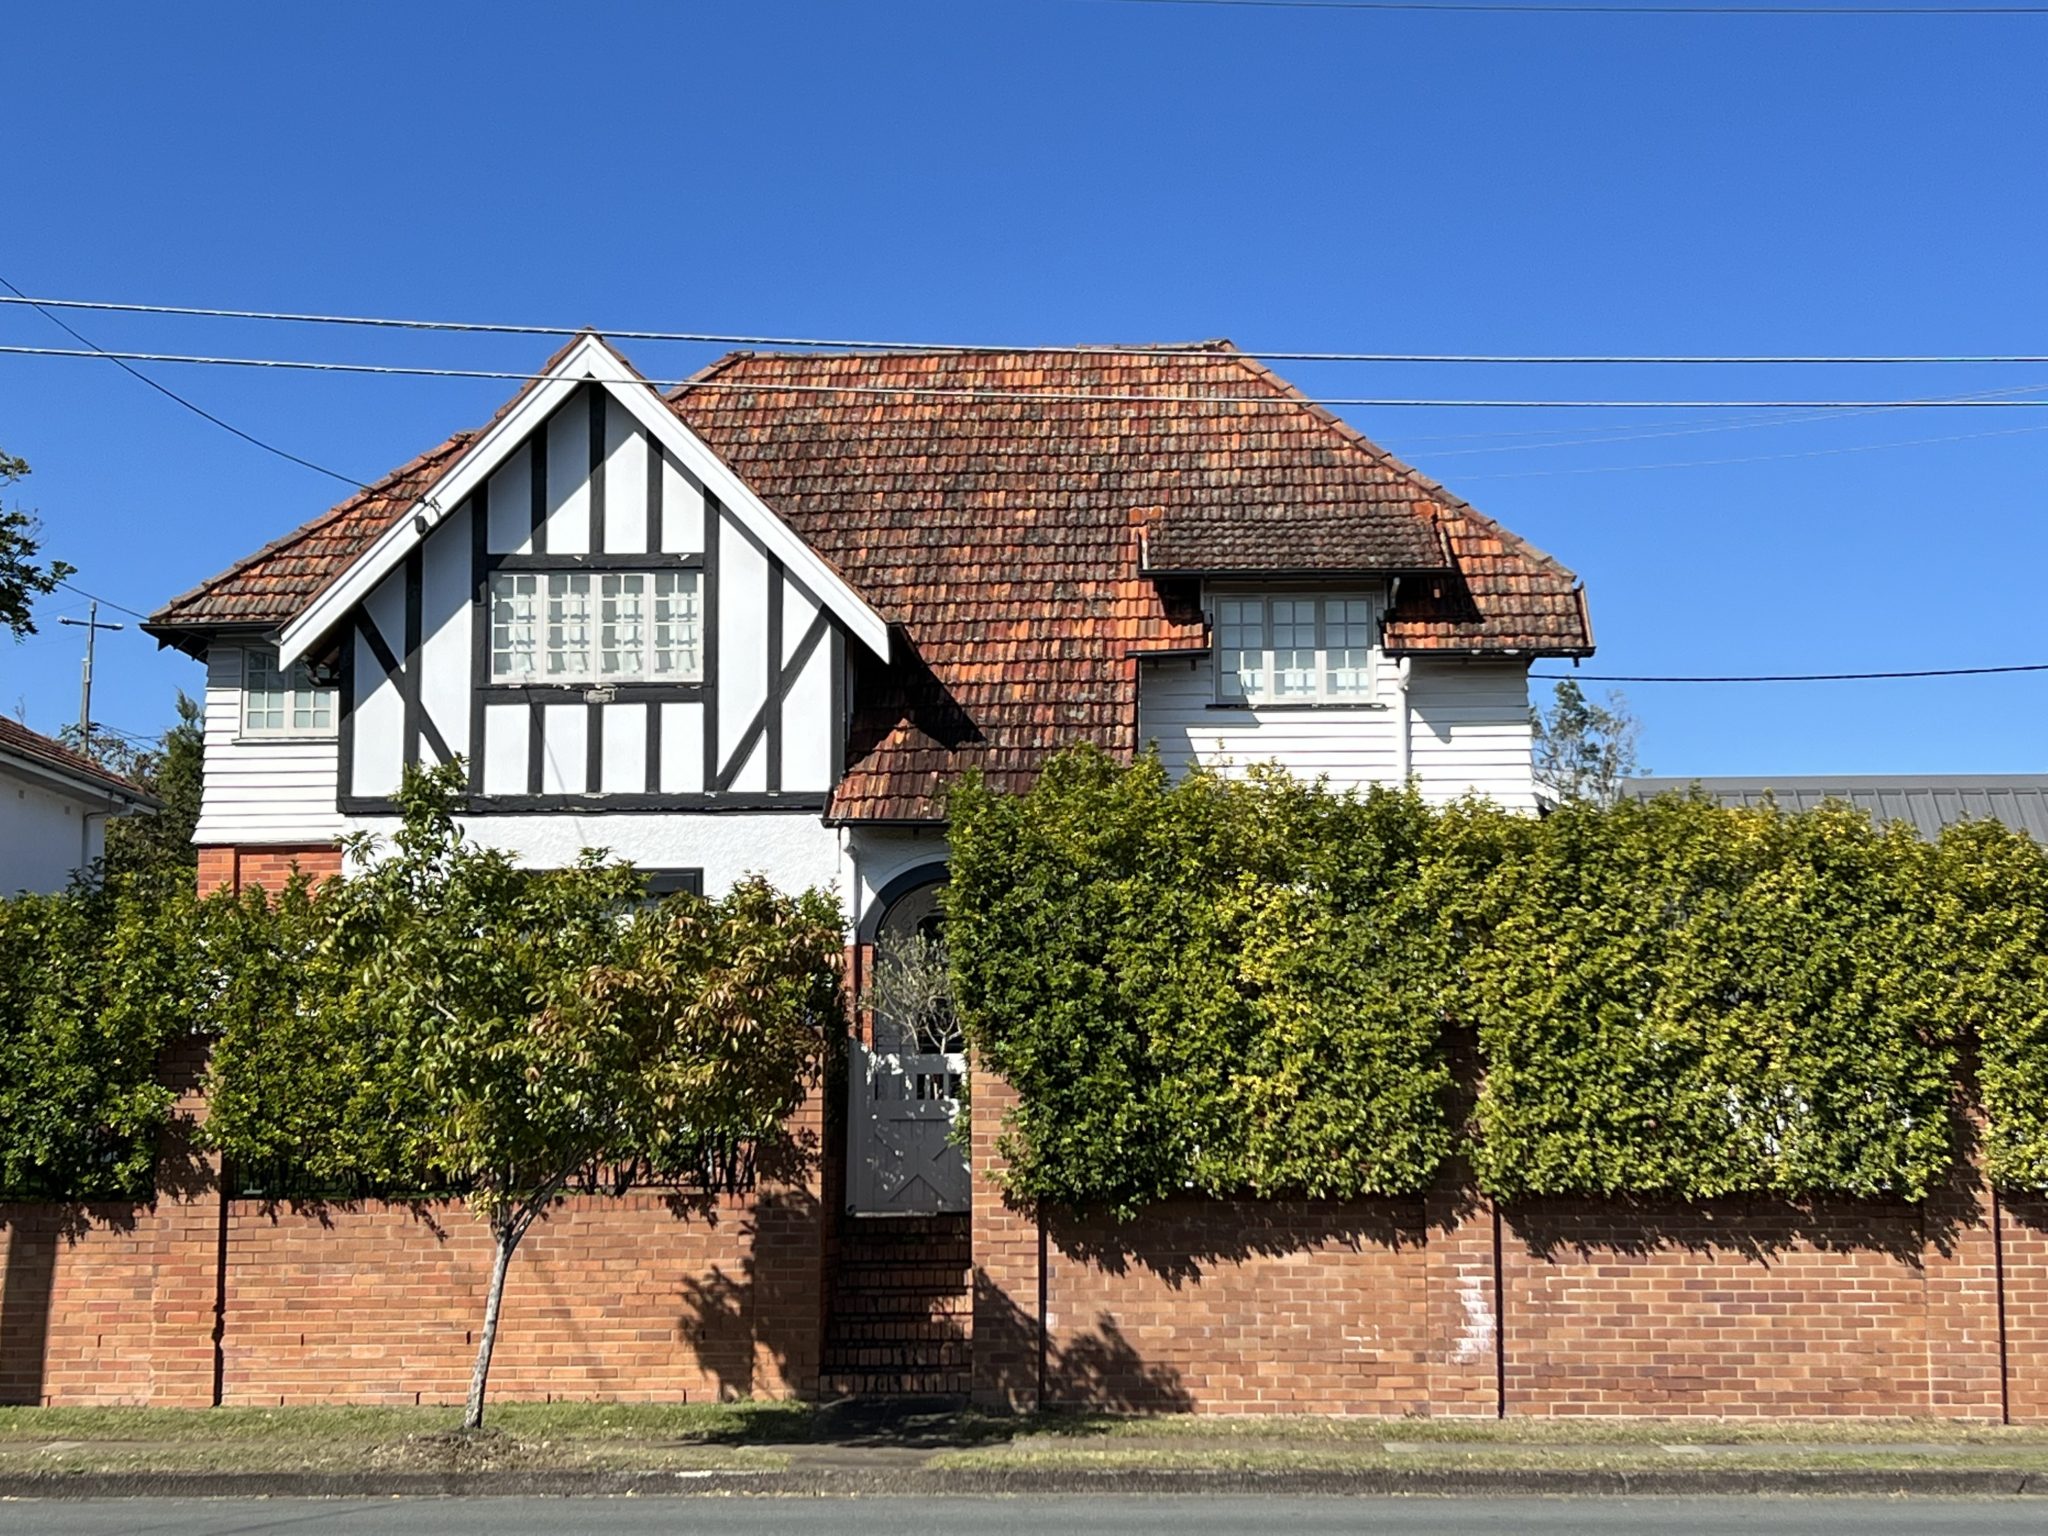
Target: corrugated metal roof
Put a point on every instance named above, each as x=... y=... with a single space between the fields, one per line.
x=1930 y=802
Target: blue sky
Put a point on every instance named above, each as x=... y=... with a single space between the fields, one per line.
x=1070 y=170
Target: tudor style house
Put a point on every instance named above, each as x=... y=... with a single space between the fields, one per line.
x=759 y=624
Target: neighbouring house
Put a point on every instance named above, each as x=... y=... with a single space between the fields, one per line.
x=762 y=622
x=54 y=807
x=1927 y=802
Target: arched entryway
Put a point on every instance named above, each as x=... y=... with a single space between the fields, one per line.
x=905 y=1080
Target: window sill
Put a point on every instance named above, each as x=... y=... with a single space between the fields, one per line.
x=1247 y=708
x=284 y=738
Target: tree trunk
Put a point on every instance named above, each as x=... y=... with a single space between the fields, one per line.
x=508 y=1239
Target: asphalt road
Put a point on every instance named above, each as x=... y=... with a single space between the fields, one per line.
x=1020 y=1517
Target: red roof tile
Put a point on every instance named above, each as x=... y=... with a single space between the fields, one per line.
x=1003 y=536
x=17 y=740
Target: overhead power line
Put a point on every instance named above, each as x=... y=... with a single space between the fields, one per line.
x=124 y=361
x=847 y=344
x=1788 y=677
x=133 y=613
x=1587 y=8
x=1012 y=395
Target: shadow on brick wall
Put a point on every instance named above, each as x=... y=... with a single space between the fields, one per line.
x=727 y=1318
x=1098 y=1369
x=1179 y=1240
x=1758 y=1229
x=34 y=1235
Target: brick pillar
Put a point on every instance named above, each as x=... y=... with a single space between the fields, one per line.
x=1463 y=1302
x=788 y=1289
x=1008 y=1306
x=185 y=1290
x=1965 y=1359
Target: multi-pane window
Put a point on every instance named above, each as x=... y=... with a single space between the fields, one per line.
x=283 y=702
x=1294 y=650
x=595 y=627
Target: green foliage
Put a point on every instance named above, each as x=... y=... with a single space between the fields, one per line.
x=94 y=986
x=22 y=578
x=172 y=771
x=1584 y=750
x=1211 y=986
x=1681 y=999
x=1992 y=892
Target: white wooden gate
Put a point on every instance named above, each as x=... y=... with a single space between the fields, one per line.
x=900 y=1114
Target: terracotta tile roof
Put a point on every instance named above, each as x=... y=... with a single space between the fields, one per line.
x=18 y=741
x=1003 y=537
x=276 y=583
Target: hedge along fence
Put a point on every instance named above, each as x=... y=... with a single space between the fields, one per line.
x=1236 y=987
x=1225 y=987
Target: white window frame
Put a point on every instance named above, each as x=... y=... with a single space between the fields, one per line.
x=299 y=693
x=1225 y=626
x=586 y=637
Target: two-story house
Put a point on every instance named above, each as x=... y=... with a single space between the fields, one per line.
x=761 y=623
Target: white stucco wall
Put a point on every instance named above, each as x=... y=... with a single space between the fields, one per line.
x=45 y=836
x=794 y=850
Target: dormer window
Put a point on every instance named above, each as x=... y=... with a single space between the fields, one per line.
x=1294 y=649
x=590 y=627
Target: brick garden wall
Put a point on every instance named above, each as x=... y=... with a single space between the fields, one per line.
x=1556 y=1308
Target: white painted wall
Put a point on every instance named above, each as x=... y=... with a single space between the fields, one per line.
x=794 y=850
x=261 y=789
x=1468 y=730
x=46 y=836
x=877 y=855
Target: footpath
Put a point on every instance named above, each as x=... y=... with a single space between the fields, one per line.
x=793 y=1450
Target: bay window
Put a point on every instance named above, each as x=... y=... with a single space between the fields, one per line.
x=1294 y=649
x=593 y=627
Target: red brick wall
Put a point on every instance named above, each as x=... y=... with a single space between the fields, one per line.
x=1242 y=1306
x=606 y=1298
x=236 y=868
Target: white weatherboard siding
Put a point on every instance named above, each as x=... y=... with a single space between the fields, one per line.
x=1468 y=730
x=794 y=850
x=46 y=836
x=260 y=789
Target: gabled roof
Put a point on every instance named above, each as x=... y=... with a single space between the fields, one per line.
x=1928 y=802
x=49 y=758
x=1026 y=522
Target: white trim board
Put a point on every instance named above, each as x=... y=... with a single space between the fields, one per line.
x=589 y=359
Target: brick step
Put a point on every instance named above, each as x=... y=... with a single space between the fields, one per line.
x=897 y=1335
x=897 y=1384
x=921 y=1357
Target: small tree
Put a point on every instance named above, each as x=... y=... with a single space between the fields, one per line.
x=499 y=1031
x=173 y=770
x=1584 y=750
x=22 y=578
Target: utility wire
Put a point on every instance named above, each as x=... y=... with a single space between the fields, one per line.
x=971 y=349
x=1581 y=8
x=1027 y=396
x=105 y=601
x=1788 y=677
x=124 y=362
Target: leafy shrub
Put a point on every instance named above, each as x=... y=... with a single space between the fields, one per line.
x=95 y=985
x=1224 y=987
x=1682 y=999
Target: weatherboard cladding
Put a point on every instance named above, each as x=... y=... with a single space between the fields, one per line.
x=1927 y=804
x=1013 y=544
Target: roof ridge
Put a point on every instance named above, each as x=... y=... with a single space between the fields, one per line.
x=1213 y=346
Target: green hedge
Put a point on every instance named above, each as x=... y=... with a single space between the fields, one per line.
x=1210 y=986
x=95 y=985
x=1249 y=987
x=1676 y=998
